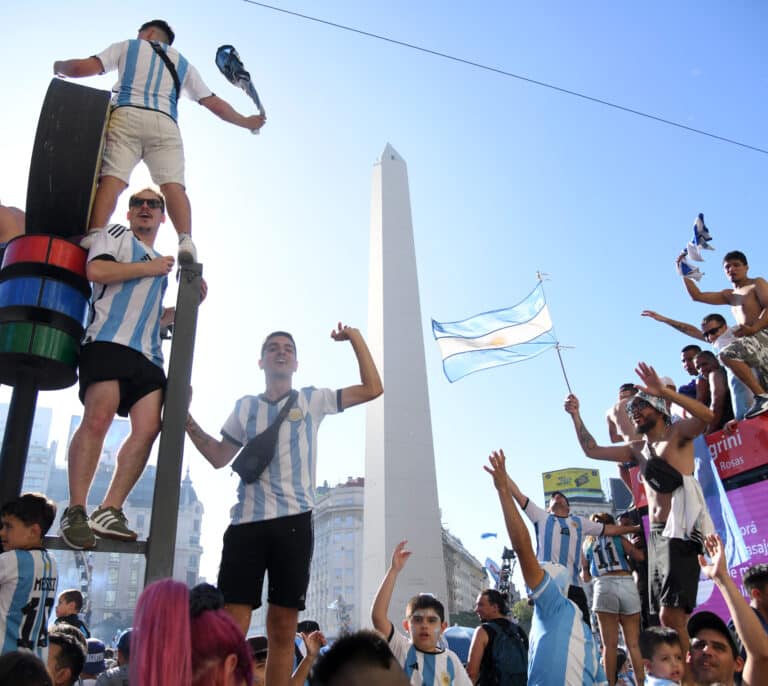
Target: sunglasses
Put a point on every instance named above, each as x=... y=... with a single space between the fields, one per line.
x=713 y=330
x=152 y=203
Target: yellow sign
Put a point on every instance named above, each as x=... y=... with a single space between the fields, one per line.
x=571 y=481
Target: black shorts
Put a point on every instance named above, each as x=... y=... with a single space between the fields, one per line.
x=137 y=376
x=673 y=571
x=282 y=547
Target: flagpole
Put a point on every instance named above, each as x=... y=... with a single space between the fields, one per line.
x=541 y=276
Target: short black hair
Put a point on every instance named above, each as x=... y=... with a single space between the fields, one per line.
x=714 y=317
x=425 y=601
x=72 y=595
x=756 y=577
x=709 y=355
x=692 y=347
x=496 y=598
x=22 y=667
x=627 y=387
x=560 y=493
x=654 y=636
x=31 y=508
x=162 y=25
x=272 y=335
x=736 y=255
x=74 y=648
x=358 y=649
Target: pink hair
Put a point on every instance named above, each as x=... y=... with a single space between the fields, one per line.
x=161 y=653
x=215 y=635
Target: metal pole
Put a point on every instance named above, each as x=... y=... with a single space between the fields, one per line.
x=562 y=366
x=18 y=430
x=165 y=503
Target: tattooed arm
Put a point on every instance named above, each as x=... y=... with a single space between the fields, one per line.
x=218 y=453
x=621 y=452
x=682 y=327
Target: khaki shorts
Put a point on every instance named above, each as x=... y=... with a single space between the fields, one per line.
x=135 y=134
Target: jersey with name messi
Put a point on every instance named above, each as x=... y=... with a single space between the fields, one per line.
x=443 y=668
x=28 y=580
x=126 y=312
x=287 y=486
x=559 y=539
x=562 y=648
x=144 y=80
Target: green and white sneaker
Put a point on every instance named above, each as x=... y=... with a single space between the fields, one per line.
x=109 y=522
x=75 y=530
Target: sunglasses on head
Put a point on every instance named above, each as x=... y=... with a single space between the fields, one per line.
x=152 y=203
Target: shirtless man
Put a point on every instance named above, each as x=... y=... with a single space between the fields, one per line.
x=719 y=394
x=666 y=461
x=749 y=304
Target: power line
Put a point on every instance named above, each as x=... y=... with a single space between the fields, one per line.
x=502 y=72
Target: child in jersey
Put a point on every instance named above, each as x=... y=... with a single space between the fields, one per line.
x=662 y=656
x=28 y=576
x=424 y=662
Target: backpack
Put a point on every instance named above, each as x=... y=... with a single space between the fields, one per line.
x=508 y=663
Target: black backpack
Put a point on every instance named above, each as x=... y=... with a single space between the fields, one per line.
x=507 y=664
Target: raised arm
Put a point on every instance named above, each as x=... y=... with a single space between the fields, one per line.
x=223 y=110
x=370 y=382
x=218 y=453
x=108 y=271
x=78 y=68
x=313 y=642
x=532 y=572
x=709 y=297
x=752 y=634
x=380 y=607
x=621 y=452
x=682 y=327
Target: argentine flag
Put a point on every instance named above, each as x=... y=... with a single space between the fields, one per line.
x=495 y=338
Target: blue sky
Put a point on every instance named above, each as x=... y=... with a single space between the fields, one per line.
x=506 y=178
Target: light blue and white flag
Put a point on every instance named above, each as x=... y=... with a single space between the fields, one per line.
x=495 y=338
x=493 y=570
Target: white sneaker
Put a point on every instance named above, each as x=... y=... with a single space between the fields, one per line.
x=187 y=249
x=87 y=240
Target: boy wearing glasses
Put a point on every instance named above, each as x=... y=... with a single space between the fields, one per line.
x=151 y=79
x=421 y=657
x=121 y=367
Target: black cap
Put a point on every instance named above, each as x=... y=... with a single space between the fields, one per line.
x=709 y=620
x=258 y=646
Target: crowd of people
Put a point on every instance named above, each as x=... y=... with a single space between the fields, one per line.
x=643 y=591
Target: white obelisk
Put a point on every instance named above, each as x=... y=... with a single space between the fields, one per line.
x=400 y=483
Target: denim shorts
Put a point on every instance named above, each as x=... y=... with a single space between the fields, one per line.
x=616 y=595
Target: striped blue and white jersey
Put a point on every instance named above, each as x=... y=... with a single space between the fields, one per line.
x=562 y=647
x=144 y=81
x=428 y=669
x=28 y=580
x=559 y=539
x=606 y=554
x=287 y=486
x=127 y=312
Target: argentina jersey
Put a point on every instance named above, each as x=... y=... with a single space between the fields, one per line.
x=287 y=485
x=144 y=79
x=28 y=580
x=559 y=539
x=428 y=669
x=126 y=312
x=562 y=648
x=606 y=554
